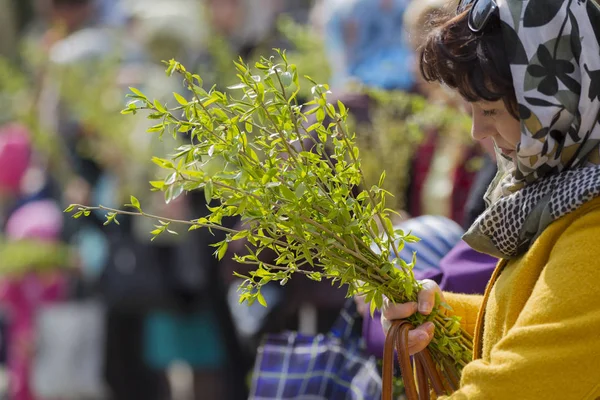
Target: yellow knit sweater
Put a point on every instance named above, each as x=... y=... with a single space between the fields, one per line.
x=537 y=328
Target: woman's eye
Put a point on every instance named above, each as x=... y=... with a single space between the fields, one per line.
x=489 y=113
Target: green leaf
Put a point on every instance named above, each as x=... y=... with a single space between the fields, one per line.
x=381 y=179
x=159 y=107
x=261 y=299
x=320 y=115
x=157 y=184
x=180 y=99
x=70 y=208
x=208 y=191
x=137 y=92
x=240 y=235
x=330 y=111
x=135 y=203
x=210 y=101
x=222 y=250
x=342 y=107
x=372 y=308
x=173 y=192
x=300 y=190
x=287 y=193
x=163 y=163
x=316 y=276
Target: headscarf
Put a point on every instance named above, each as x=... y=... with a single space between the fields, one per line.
x=366 y=42
x=554 y=54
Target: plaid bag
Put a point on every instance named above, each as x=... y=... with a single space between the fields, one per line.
x=322 y=367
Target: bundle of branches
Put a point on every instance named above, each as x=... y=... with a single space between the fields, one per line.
x=294 y=194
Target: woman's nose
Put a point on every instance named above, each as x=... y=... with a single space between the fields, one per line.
x=479 y=128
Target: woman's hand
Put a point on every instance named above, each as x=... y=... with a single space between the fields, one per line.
x=418 y=338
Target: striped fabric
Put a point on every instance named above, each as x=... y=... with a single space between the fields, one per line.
x=323 y=367
x=438 y=236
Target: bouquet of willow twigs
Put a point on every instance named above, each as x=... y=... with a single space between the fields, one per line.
x=294 y=196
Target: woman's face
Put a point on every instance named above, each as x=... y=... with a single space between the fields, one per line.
x=492 y=120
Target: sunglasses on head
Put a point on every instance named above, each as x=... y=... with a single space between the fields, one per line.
x=480 y=13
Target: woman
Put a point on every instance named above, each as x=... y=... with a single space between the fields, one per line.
x=531 y=71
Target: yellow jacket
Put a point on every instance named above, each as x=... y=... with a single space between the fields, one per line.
x=537 y=328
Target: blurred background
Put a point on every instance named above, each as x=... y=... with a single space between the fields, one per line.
x=100 y=312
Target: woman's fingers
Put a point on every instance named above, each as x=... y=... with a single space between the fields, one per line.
x=426 y=296
x=393 y=311
x=419 y=338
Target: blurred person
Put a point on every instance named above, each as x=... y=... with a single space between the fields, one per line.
x=244 y=23
x=366 y=42
x=444 y=166
x=32 y=216
x=245 y=28
x=71 y=15
x=440 y=171
x=111 y=13
x=166 y=29
x=298 y=10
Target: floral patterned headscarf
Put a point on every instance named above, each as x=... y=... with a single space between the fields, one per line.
x=554 y=53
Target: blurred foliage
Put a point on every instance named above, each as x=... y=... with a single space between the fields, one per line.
x=19 y=101
x=398 y=119
x=25 y=255
x=78 y=104
x=387 y=144
x=398 y=125
x=305 y=49
x=308 y=51
x=93 y=102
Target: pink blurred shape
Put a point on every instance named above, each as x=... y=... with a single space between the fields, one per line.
x=15 y=154
x=42 y=220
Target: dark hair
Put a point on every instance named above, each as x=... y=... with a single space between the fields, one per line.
x=475 y=64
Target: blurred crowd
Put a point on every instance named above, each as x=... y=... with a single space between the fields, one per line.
x=89 y=311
